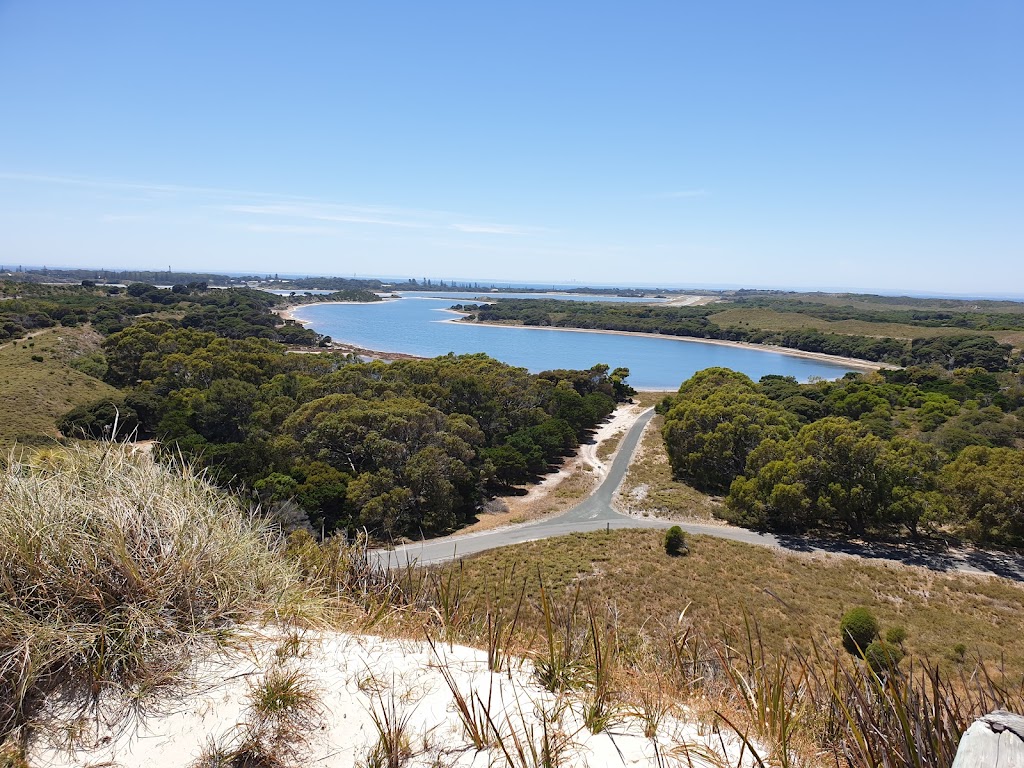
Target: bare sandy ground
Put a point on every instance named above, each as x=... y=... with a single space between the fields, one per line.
x=689 y=300
x=359 y=681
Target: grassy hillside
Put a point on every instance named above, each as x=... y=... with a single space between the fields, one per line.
x=773 y=320
x=37 y=386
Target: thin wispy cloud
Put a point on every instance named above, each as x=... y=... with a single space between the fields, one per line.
x=115 y=184
x=290 y=229
x=491 y=229
x=259 y=204
x=324 y=212
x=682 y=194
x=115 y=217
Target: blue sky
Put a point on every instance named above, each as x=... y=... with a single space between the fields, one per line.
x=871 y=145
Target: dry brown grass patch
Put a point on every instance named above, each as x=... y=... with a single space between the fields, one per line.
x=793 y=598
x=650 y=489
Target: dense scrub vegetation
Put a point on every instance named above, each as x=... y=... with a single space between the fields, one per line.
x=955 y=350
x=946 y=313
x=402 y=449
x=919 y=449
x=236 y=312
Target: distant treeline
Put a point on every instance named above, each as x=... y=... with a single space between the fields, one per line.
x=954 y=351
x=231 y=312
x=989 y=316
x=981 y=306
x=298 y=284
x=51 y=275
x=918 y=449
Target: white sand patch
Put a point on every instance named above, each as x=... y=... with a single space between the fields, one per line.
x=357 y=678
x=617 y=425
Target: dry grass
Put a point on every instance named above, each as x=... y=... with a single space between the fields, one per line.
x=771 y=320
x=116 y=570
x=609 y=446
x=649 y=399
x=34 y=393
x=649 y=488
x=794 y=599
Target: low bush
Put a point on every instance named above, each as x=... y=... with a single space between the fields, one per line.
x=883 y=657
x=675 y=541
x=896 y=635
x=858 y=629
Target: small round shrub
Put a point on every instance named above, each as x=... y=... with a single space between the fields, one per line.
x=858 y=629
x=883 y=657
x=675 y=541
x=896 y=635
x=959 y=653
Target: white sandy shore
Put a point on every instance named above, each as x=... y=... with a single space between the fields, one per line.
x=357 y=678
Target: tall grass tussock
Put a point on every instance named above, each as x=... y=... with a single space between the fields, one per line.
x=115 y=571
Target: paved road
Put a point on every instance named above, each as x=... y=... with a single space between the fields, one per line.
x=596 y=513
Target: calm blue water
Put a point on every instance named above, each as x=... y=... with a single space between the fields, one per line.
x=417 y=326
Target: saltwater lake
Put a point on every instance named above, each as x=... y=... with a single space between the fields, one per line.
x=419 y=325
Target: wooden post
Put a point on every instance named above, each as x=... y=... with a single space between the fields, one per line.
x=995 y=740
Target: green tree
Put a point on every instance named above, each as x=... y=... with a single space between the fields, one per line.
x=717 y=420
x=675 y=541
x=985 y=488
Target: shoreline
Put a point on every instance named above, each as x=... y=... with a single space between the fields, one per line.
x=288 y=313
x=346 y=347
x=851 y=362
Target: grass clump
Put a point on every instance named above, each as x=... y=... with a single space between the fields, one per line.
x=284 y=708
x=116 y=570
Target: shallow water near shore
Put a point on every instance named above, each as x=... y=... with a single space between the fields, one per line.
x=422 y=326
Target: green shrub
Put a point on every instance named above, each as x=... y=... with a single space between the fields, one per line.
x=896 y=635
x=959 y=653
x=858 y=629
x=103 y=419
x=883 y=657
x=675 y=541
